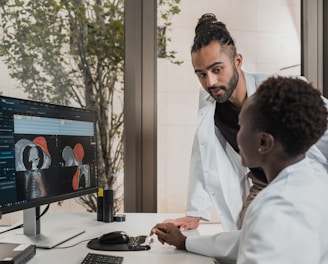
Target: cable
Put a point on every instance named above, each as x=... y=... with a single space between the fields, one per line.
x=73 y=244
x=43 y=213
x=37 y=218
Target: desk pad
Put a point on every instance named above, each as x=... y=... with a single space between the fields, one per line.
x=134 y=244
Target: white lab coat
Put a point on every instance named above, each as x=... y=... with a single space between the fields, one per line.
x=217 y=177
x=286 y=222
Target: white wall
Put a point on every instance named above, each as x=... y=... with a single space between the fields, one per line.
x=266 y=33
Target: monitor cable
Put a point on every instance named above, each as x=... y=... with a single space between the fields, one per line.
x=38 y=216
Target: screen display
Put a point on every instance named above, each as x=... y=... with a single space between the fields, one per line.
x=47 y=153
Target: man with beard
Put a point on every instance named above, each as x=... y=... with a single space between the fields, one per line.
x=217 y=177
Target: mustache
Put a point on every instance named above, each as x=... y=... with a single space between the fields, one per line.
x=215 y=88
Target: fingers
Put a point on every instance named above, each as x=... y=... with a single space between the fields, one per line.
x=155 y=228
x=160 y=230
x=177 y=222
x=163 y=231
x=170 y=234
x=152 y=231
x=164 y=227
x=159 y=234
x=184 y=223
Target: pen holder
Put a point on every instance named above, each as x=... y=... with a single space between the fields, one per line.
x=108 y=206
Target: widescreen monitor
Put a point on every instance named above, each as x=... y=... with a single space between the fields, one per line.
x=47 y=154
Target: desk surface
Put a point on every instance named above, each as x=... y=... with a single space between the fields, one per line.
x=74 y=250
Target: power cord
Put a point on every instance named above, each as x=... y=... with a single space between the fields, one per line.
x=58 y=247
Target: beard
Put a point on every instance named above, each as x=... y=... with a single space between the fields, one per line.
x=229 y=89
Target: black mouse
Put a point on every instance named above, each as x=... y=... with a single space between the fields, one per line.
x=116 y=237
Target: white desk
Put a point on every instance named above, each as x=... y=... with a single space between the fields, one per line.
x=136 y=224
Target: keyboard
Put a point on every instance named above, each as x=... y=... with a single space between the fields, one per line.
x=92 y=258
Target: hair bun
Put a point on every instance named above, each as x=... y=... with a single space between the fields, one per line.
x=208 y=21
x=207 y=17
x=210 y=29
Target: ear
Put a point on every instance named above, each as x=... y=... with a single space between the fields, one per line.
x=238 y=60
x=266 y=143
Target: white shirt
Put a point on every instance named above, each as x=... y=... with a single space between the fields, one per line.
x=286 y=222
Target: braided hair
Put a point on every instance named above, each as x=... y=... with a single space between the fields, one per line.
x=292 y=111
x=209 y=29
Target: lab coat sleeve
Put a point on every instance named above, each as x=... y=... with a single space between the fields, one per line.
x=222 y=246
x=322 y=144
x=319 y=151
x=198 y=202
x=276 y=232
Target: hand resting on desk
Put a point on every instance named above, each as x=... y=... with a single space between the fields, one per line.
x=185 y=223
x=170 y=234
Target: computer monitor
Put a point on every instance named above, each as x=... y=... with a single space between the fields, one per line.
x=47 y=154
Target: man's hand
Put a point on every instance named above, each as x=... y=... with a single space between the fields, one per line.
x=170 y=234
x=185 y=223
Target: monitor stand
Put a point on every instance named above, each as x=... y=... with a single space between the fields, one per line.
x=56 y=232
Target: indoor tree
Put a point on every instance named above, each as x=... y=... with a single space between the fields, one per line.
x=71 y=52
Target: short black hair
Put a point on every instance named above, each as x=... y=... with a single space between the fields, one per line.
x=291 y=110
x=209 y=29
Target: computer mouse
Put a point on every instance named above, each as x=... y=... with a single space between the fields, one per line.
x=116 y=237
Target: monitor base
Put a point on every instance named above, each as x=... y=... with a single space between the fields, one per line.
x=54 y=230
x=49 y=239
